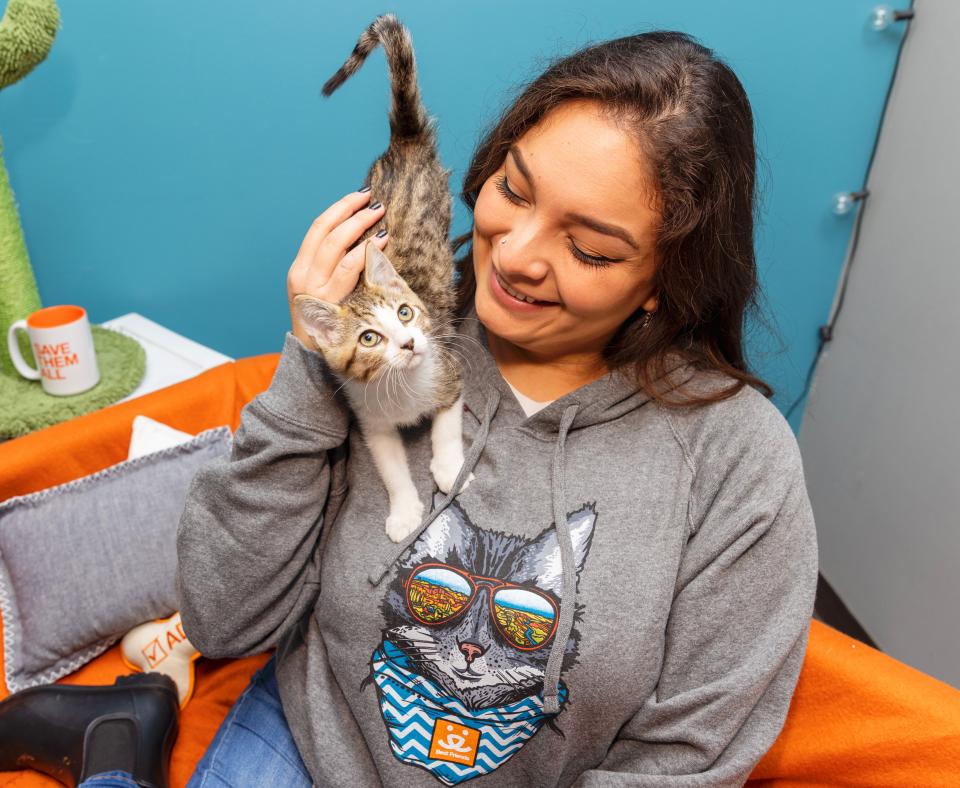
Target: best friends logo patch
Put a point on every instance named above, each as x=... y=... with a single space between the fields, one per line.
x=454 y=742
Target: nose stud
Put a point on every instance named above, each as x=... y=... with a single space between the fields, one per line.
x=503 y=240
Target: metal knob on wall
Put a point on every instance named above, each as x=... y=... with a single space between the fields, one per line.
x=883 y=16
x=843 y=202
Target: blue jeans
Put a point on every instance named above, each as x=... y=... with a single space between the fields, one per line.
x=253 y=746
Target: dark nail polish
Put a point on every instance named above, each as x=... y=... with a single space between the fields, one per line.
x=375 y=206
x=364 y=189
x=381 y=233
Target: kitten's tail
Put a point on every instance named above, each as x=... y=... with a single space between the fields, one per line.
x=408 y=117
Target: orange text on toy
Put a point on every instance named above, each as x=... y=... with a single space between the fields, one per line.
x=154 y=652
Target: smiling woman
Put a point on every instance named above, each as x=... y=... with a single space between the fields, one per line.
x=554 y=281
x=618 y=198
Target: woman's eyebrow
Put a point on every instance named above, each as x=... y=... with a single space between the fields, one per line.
x=601 y=227
x=521 y=164
x=579 y=218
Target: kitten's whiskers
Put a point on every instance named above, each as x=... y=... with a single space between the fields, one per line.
x=405 y=386
x=446 y=343
x=456 y=355
x=379 y=381
x=391 y=375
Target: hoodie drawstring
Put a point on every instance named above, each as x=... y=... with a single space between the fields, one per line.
x=473 y=456
x=568 y=571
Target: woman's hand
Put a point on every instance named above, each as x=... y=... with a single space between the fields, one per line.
x=323 y=268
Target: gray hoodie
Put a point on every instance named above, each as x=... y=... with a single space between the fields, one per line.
x=622 y=596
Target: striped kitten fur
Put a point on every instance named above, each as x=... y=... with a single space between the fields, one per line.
x=387 y=341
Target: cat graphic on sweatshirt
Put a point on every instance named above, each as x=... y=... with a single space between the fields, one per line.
x=470 y=621
x=389 y=342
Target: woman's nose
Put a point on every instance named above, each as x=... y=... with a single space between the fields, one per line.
x=521 y=255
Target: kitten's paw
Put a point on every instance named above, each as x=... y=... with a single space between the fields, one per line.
x=445 y=470
x=404 y=519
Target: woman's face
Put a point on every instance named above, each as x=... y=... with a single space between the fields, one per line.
x=565 y=221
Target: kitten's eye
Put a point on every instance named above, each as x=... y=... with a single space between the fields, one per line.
x=405 y=313
x=370 y=338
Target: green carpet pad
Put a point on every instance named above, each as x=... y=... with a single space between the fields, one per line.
x=25 y=406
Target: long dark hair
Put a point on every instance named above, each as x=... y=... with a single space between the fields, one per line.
x=692 y=121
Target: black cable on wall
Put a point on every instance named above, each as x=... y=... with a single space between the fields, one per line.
x=825 y=332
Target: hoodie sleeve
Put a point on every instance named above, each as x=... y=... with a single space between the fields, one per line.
x=246 y=542
x=738 y=626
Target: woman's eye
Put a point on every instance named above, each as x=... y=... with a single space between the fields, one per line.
x=504 y=188
x=589 y=259
x=369 y=338
x=596 y=261
x=405 y=313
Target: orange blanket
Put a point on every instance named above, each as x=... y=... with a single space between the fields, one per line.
x=858 y=717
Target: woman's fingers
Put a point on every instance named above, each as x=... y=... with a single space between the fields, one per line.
x=325 y=245
x=348 y=232
x=330 y=251
x=309 y=271
x=323 y=268
x=347 y=272
x=342 y=209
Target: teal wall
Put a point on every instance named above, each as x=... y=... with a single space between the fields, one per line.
x=169 y=157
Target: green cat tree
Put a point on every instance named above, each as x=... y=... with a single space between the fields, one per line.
x=27 y=31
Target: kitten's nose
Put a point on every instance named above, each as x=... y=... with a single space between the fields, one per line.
x=471 y=650
x=408 y=345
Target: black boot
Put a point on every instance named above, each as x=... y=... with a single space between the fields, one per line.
x=72 y=732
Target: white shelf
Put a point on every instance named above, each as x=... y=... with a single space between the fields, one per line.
x=171 y=357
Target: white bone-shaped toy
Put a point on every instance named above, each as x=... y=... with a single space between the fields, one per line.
x=161 y=646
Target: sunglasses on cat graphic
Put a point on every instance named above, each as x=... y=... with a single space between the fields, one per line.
x=438 y=594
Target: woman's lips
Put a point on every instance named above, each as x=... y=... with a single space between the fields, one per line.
x=509 y=301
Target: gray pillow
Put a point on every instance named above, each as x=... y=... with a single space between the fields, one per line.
x=84 y=562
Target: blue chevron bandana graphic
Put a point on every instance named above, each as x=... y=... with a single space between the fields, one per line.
x=437 y=732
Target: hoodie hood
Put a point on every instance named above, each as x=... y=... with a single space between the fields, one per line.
x=605 y=399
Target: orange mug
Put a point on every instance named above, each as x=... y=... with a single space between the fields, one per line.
x=62 y=344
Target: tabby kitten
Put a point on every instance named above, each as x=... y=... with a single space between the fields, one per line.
x=386 y=340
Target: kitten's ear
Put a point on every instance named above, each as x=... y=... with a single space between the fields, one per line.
x=378 y=271
x=320 y=319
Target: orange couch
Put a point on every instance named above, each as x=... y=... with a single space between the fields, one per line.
x=858 y=717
